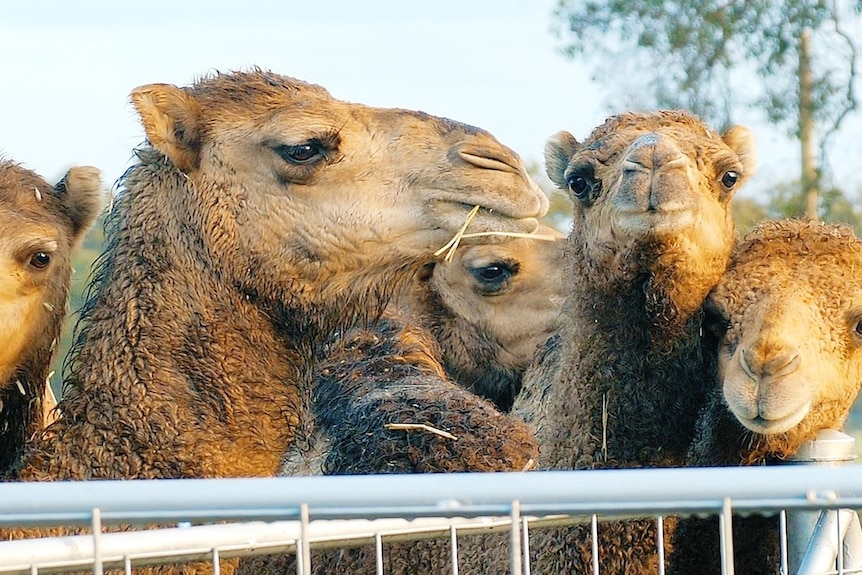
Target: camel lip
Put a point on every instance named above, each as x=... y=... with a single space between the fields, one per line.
x=764 y=426
x=655 y=222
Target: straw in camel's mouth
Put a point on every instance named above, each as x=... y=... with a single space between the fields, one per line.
x=452 y=245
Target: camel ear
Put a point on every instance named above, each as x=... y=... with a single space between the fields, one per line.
x=171 y=119
x=80 y=192
x=558 y=151
x=741 y=140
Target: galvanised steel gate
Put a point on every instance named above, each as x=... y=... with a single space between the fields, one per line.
x=213 y=518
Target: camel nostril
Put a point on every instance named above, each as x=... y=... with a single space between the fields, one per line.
x=745 y=365
x=489 y=159
x=782 y=364
x=758 y=366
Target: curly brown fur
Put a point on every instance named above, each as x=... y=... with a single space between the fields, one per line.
x=622 y=385
x=40 y=227
x=628 y=362
x=261 y=216
x=787 y=316
x=392 y=374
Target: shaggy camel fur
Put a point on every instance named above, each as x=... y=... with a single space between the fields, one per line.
x=621 y=384
x=262 y=216
x=490 y=308
x=372 y=393
x=232 y=252
x=788 y=318
x=40 y=227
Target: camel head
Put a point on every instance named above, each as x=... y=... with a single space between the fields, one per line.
x=301 y=185
x=40 y=225
x=789 y=316
x=502 y=301
x=651 y=191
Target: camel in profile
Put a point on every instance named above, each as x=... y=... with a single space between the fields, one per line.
x=40 y=226
x=262 y=215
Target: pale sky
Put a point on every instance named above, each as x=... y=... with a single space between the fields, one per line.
x=68 y=68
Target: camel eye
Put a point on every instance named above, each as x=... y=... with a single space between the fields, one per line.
x=715 y=322
x=494 y=277
x=859 y=328
x=582 y=183
x=300 y=154
x=40 y=260
x=729 y=179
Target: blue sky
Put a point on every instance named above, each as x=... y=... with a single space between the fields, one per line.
x=69 y=67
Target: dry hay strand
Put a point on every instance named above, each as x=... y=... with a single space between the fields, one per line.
x=452 y=245
x=420 y=427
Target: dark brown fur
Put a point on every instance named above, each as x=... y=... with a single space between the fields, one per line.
x=392 y=374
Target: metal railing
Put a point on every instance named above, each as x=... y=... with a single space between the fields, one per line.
x=221 y=518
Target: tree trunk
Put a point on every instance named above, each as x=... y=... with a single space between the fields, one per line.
x=806 y=129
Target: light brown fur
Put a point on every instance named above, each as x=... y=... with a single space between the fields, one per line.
x=788 y=318
x=40 y=227
x=490 y=308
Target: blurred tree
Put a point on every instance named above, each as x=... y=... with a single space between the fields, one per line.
x=791 y=58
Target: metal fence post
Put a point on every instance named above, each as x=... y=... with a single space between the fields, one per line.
x=830 y=447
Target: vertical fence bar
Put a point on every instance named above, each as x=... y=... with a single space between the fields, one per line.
x=216 y=562
x=303 y=548
x=525 y=543
x=782 y=543
x=725 y=526
x=97 y=541
x=378 y=552
x=515 y=538
x=594 y=533
x=659 y=537
x=453 y=545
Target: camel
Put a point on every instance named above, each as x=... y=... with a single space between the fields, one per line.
x=621 y=383
x=787 y=320
x=262 y=215
x=490 y=308
x=41 y=226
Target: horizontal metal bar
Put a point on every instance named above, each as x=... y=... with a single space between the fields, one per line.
x=637 y=491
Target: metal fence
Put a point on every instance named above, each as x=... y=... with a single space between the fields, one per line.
x=221 y=518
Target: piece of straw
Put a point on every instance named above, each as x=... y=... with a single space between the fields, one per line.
x=420 y=427
x=452 y=244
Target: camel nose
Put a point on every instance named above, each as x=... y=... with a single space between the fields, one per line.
x=656 y=174
x=759 y=366
x=517 y=195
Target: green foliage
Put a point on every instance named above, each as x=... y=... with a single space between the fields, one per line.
x=786 y=202
x=692 y=55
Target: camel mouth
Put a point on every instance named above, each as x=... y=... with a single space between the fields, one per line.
x=655 y=222
x=450 y=216
x=773 y=426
